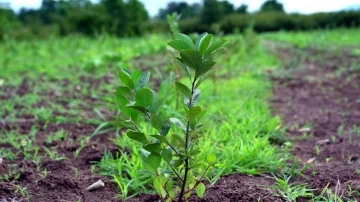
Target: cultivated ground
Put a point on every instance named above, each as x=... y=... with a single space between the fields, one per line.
x=52 y=147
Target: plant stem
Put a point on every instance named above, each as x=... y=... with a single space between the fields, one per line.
x=186 y=145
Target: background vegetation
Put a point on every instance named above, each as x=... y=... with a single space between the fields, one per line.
x=129 y=18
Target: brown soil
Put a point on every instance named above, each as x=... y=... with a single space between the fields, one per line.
x=322 y=99
x=66 y=180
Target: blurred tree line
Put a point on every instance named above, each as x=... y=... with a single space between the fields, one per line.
x=129 y=18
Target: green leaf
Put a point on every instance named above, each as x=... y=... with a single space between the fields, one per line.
x=140 y=137
x=183 y=89
x=157 y=185
x=179 y=45
x=184 y=38
x=143 y=80
x=192 y=58
x=183 y=67
x=153 y=148
x=204 y=67
x=203 y=77
x=214 y=46
x=123 y=90
x=179 y=139
x=194 y=99
x=211 y=158
x=157 y=121
x=200 y=190
x=122 y=102
x=178 y=123
x=134 y=115
x=204 y=43
x=157 y=105
x=144 y=97
x=161 y=138
x=135 y=75
x=193 y=113
x=178 y=163
x=198 y=39
x=153 y=160
x=166 y=154
x=170 y=190
x=139 y=108
x=126 y=79
x=165 y=128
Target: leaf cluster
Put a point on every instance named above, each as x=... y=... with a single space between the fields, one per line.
x=171 y=156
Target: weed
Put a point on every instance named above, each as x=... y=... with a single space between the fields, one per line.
x=53 y=155
x=22 y=191
x=341 y=128
x=291 y=191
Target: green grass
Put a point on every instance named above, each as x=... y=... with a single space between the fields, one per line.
x=326 y=39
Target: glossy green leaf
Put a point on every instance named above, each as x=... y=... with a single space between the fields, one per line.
x=135 y=75
x=166 y=154
x=214 y=46
x=183 y=89
x=143 y=80
x=178 y=163
x=139 y=108
x=198 y=39
x=179 y=45
x=179 y=139
x=204 y=67
x=165 y=128
x=123 y=90
x=178 y=123
x=153 y=148
x=183 y=67
x=122 y=102
x=126 y=79
x=140 y=137
x=157 y=121
x=193 y=113
x=157 y=185
x=195 y=98
x=185 y=38
x=192 y=58
x=204 y=43
x=211 y=158
x=157 y=105
x=144 y=97
x=200 y=190
x=160 y=138
x=153 y=160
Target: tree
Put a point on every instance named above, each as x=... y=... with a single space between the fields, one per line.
x=228 y=8
x=136 y=14
x=212 y=12
x=242 y=9
x=272 y=6
x=182 y=8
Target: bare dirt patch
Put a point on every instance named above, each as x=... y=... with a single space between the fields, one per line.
x=320 y=102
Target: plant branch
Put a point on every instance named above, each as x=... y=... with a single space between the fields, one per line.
x=198 y=181
x=176 y=173
x=186 y=145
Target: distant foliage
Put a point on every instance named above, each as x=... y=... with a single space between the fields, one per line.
x=125 y=18
x=272 y=6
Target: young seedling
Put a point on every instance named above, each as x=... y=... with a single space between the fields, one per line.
x=171 y=157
